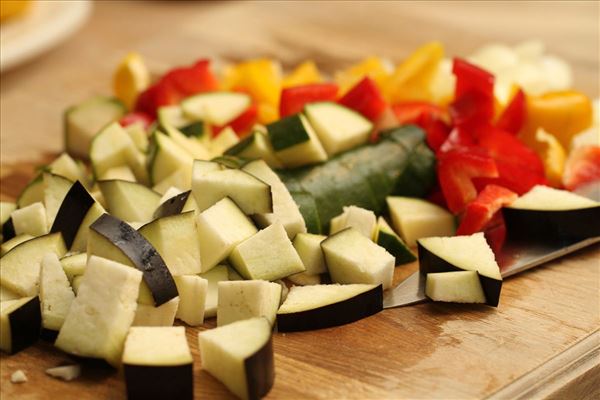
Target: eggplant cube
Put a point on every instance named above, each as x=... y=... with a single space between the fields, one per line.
x=56 y=294
x=192 y=294
x=455 y=287
x=30 y=220
x=352 y=258
x=267 y=255
x=239 y=300
x=163 y=315
x=246 y=367
x=214 y=276
x=158 y=364
x=362 y=220
x=20 y=323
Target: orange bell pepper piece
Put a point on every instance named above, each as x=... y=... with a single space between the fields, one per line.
x=304 y=74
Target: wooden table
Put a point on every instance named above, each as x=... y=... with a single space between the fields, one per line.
x=543 y=340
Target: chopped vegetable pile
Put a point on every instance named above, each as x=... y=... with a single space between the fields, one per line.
x=270 y=199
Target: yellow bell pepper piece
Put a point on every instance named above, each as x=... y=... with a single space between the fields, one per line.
x=562 y=114
x=12 y=8
x=304 y=74
x=553 y=156
x=411 y=80
x=260 y=78
x=373 y=67
x=267 y=113
x=130 y=79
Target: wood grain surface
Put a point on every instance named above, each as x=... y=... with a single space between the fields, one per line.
x=542 y=341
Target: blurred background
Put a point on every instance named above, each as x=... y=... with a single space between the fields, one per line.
x=57 y=53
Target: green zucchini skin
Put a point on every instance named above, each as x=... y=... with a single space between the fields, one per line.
x=393 y=246
x=287 y=132
x=344 y=312
x=172 y=206
x=260 y=371
x=159 y=382
x=71 y=213
x=399 y=164
x=25 y=325
x=141 y=253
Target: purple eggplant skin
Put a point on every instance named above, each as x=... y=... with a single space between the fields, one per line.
x=172 y=206
x=555 y=226
x=25 y=325
x=141 y=253
x=71 y=213
x=145 y=382
x=431 y=263
x=341 y=313
x=260 y=371
x=8 y=230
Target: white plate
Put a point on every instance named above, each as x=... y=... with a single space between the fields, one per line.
x=43 y=26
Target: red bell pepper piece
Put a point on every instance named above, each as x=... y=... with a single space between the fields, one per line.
x=513 y=117
x=474 y=95
x=436 y=130
x=495 y=235
x=175 y=85
x=365 y=98
x=135 y=117
x=456 y=169
x=513 y=177
x=582 y=167
x=413 y=111
x=481 y=210
x=457 y=139
x=471 y=110
x=242 y=124
x=294 y=99
x=470 y=78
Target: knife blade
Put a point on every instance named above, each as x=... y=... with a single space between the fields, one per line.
x=515 y=257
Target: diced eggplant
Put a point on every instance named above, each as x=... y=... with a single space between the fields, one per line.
x=14 y=242
x=73 y=170
x=192 y=294
x=177 y=204
x=56 y=188
x=455 y=287
x=225 y=139
x=167 y=158
x=129 y=201
x=73 y=265
x=20 y=270
x=387 y=238
x=81 y=238
x=267 y=255
x=308 y=247
x=32 y=193
x=56 y=294
x=546 y=214
x=218 y=274
x=216 y=108
x=256 y=146
x=158 y=364
x=72 y=213
x=239 y=300
x=246 y=367
x=7 y=294
x=352 y=258
x=358 y=218
x=20 y=323
x=324 y=306
x=101 y=314
x=462 y=253
x=30 y=220
x=140 y=253
x=8 y=230
x=149 y=315
x=122 y=173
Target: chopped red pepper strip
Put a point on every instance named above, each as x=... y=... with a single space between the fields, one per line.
x=294 y=99
x=413 y=111
x=456 y=170
x=513 y=117
x=365 y=98
x=495 y=235
x=457 y=139
x=474 y=95
x=582 y=167
x=135 y=117
x=481 y=210
x=470 y=78
x=242 y=124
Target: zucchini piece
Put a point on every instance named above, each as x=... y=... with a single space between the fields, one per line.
x=173 y=116
x=553 y=215
x=74 y=265
x=462 y=253
x=105 y=301
x=230 y=162
x=180 y=203
x=14 y=242
x=30 y=220
x=295 y=143
x=129 y=201
x=32 y=193
x=224 y=140
x=251 y=194
x=131 y=245
x=255 y=146
x=166 y=157
x=149 y=315
x=246 y=367
x=285 y=210
x=213 y=277
x=138 y=136
x=221 y=227
x=72 y=213
x=110 y=148
x=324 y=306
x=83 y=121
x=158 y=364
x=20 y=270
x=387 y=238
x=177 y=241
x=239 y=300
x=267 y=255
x=216 y=108
x=56 y=188
x=192 y=294
x=56 y=294
x=414 y=219
x=352 y=258
x=338 y=128
x=358 y=218
x=180 y=179
x=122 y=172
x=20 y=324
x=455 y=287
x=189 y=145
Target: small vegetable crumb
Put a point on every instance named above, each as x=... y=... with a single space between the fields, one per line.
x=18 y=377
x=66 y=372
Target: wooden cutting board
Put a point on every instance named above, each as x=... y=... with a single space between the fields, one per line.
x=543 y=340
